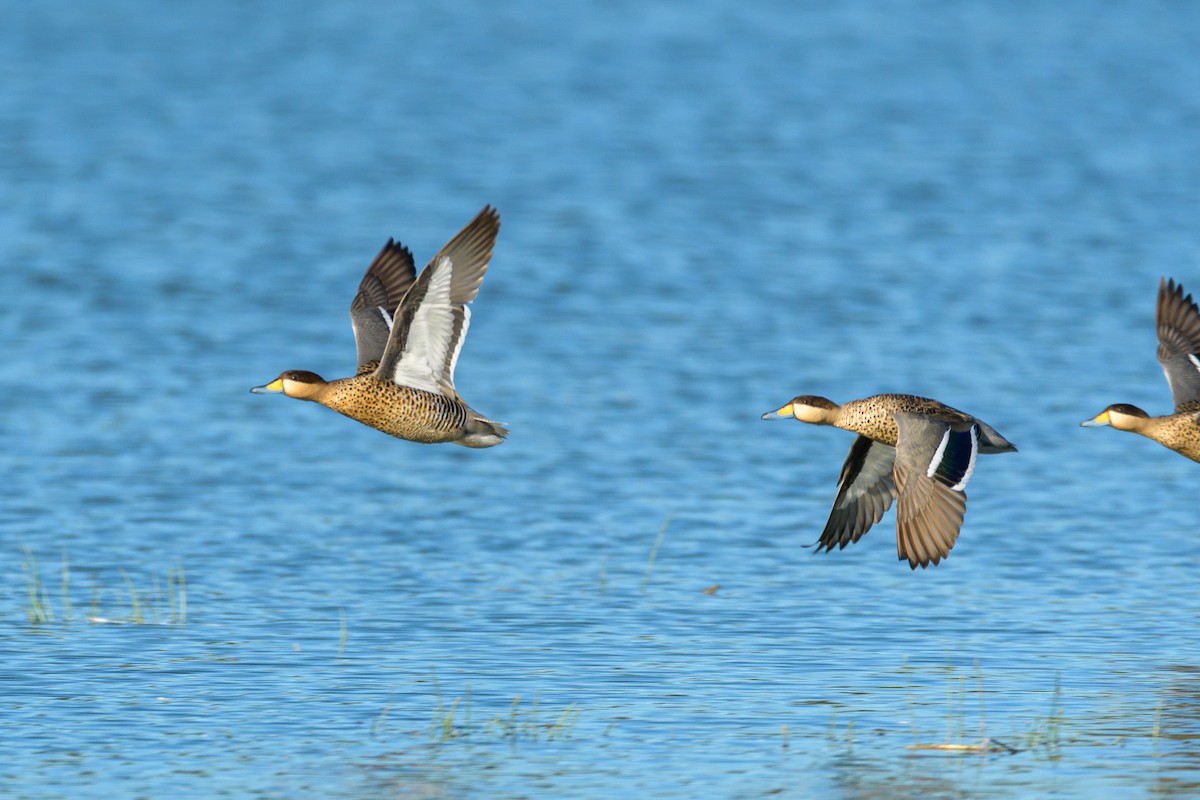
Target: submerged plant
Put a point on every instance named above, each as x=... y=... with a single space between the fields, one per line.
x=66 y=586
x=832 y=733
x=1156 y=731
x=955 y=716
x=146 y=606
x=658 y=540
x=442 y=727
x=343 y=633
x=37 y=602
x=524 y=724
x=453 y=720
x=1046 y=732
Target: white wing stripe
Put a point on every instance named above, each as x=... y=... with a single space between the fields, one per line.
x=937 y=454
x=421 y=363
x=462 y=337
x=958 y=487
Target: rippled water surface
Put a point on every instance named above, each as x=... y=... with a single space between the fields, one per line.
x=707 y=208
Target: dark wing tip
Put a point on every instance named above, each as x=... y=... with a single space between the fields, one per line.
x=388 y=277
x=1177 y=319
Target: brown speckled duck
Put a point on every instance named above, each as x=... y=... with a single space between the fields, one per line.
x=409 y=332
x=1178 y=321
x=911 y=449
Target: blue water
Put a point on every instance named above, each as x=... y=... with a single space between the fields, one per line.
x=707 y=209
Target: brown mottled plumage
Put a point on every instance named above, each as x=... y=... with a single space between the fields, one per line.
x=400 y=411
x=912 y=450
x=1177 y=320
x=409 y=331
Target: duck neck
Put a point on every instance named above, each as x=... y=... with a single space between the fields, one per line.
x=303 y=390
x=1131 y=422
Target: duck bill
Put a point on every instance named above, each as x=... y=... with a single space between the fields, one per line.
x=784 y=413
x=1098 y=421
x=273 y=387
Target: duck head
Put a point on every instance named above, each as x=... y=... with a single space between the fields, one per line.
x=807 y=408
x=293 y=383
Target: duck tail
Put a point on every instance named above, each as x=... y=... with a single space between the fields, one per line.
x=992 y=442
x=482 y=432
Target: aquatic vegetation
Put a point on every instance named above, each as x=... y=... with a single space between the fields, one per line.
x=442 y=726
x=452 y=720
x=1046 y=732
x=520 y=724
x=1043 y=733
x=832 y=732
x=1156 y=731
x=156 y=605
x=343 y=633
x=658 y=540
x=37 y=603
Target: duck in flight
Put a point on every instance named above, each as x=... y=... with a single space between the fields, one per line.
x=913 y=450
x=1178 y=322
x=409 y=331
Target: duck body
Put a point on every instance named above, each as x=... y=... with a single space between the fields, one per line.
x=875 y=418
x=401 y=411
x=913 y=450
x=1177 y=320
x=409 y=331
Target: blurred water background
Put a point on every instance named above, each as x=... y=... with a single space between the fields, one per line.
x=707 y=208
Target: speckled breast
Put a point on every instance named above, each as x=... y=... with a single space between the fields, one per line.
x=1182 y=434
x=872 y=416
x=400 y=411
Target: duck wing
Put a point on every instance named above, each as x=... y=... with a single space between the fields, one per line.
x=934 y=460
x=431 y=323
x=379 y=294
x=865 y=492
x=1178 y=321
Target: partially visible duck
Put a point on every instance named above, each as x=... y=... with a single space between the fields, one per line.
x=1178 y=321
